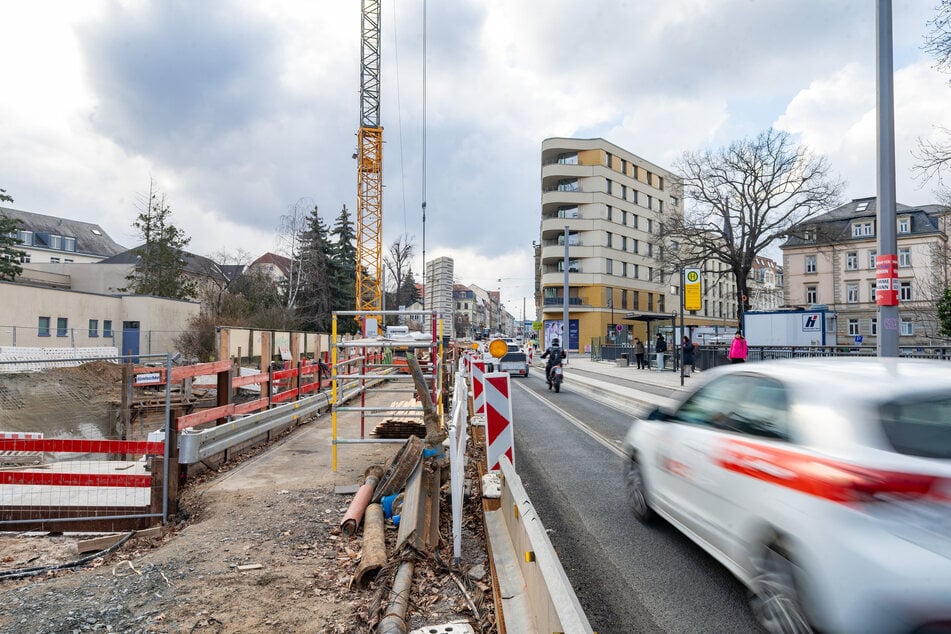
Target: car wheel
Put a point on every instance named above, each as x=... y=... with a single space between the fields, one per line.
x=637 y=491
x=774 y=595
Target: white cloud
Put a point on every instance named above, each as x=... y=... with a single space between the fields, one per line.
x=836 y=116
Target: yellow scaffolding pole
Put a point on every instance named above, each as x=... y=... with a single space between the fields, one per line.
x=333 y=391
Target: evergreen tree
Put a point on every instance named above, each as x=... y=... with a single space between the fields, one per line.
x=944 y=313
x=160 y=270
x=314 y=298
x=9 y=255
x=344 y=269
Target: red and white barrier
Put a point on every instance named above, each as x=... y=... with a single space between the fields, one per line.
x=499 y=432
x=478 y=389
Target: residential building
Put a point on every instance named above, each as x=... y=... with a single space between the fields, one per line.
x=831 y=260
x=50 y=239
x=612 y=204
x=439 y=273
x=765 y=284
x=276 y=267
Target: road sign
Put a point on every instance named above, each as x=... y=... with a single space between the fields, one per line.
x=619 y=327
x=858 y=338
x=693 y=294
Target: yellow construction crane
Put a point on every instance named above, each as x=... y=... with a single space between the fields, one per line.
x=369 y=291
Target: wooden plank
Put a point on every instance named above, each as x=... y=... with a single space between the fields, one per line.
x=200 y=369
x=204 y=416
x=249 y=379
x=97 y=543
x=251 y=406
x=280 y=397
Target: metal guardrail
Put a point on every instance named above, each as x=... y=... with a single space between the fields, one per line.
x=197 y=445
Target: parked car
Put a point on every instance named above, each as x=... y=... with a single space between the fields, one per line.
x=823 y=485
x=515 y=361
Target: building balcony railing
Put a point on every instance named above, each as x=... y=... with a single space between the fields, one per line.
x=559 y=301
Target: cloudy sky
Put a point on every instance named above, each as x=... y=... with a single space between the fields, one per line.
x=239 y=109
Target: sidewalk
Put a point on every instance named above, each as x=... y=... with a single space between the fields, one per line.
x=624 y=385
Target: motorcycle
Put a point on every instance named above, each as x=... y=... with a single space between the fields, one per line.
x=555 y=377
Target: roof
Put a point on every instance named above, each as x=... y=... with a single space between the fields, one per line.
x=834 y=226
x=281 y=262
x=91 y=239
x=194 y=264
x=648 y=317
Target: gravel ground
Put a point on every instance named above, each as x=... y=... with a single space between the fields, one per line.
x=258 y=559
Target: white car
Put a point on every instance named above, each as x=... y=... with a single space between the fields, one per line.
x=824 y=485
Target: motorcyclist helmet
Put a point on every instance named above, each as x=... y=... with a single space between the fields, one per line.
x=554 y=342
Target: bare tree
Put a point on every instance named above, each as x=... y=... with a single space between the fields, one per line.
x=746 y=196
x=934 y=156
x=293 y=225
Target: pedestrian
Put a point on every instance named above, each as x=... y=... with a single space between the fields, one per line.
x=661 y=344
x=639 y=353
x=687 y=347
x=738 y=349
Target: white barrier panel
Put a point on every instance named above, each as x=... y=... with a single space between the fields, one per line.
x=499 y=433
x=478 y=387
x=458 y=437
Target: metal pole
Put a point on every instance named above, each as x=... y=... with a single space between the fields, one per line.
x=680 y=343
x=564 y=310
x=887 y=240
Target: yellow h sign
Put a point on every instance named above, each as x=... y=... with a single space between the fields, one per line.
x=692 y=290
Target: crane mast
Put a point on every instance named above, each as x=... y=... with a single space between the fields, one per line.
x=369 y=291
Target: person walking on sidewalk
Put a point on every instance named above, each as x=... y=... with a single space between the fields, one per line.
x=687 y=346
x=639 y=353
x=738 y=349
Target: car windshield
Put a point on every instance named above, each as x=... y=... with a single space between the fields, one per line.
x=920 y=426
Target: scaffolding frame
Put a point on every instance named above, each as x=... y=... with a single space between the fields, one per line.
x=366 y=362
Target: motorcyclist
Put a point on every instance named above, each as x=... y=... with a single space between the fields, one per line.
x=554 y=355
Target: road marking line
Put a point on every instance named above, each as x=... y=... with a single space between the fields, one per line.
x=603 y=440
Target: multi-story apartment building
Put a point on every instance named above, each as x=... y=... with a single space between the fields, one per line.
x=765 y=285
x=613 y=204
x=831 y=260
x=439 y=272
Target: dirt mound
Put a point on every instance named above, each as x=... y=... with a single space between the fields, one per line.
x=99 y=371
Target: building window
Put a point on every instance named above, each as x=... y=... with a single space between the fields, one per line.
x=904 y=224
x=650 y=302
x=67 y=260
x=660 y=303
x=624 y=166
x=43 y=327
x=873 y=326
x=634 y=196
x=851 y=261
x=608 y=159
x=904 y=257
x=571 y=212
x=623 y=243
x=862 y=229
x=635 y=271
x=54 y=260
x=93 y=327
x=25 y=258
x=568 y=159
x=106 y=327
x=623 y=299
x=634 y=245
x=56 y=242
x=650 y=202
x=623 y=272
x=853 y=327
x=660 y=184
x=650 y=250
x=610 y=213
x=872 y=254
x=609 y=240
x=610 y=186
x=872 y=288
x=623 y=192
x=660 y=205
x=852 y=293
x=812 y=294
x=810 y=264
x=904 y=291
x=906 y=328
x=569 y=186
x=609 y=266
x=69 y=244
x=650 y=226
x=62 y=326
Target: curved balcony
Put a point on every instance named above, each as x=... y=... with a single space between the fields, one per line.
x=556 y=252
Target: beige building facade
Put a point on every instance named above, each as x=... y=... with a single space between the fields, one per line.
x=830 y=260
x=613 y=204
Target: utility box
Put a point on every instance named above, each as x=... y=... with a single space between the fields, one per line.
x=790 y=328
x=621 y=361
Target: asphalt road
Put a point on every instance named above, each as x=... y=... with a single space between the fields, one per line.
x=628 y=577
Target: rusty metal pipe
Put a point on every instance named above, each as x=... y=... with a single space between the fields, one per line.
x=373 y=556
x=394 y=621
x=354 y=514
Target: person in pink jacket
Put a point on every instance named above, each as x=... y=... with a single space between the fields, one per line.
x=738 y=349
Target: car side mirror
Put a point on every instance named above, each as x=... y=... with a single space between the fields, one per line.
x=659 y=413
